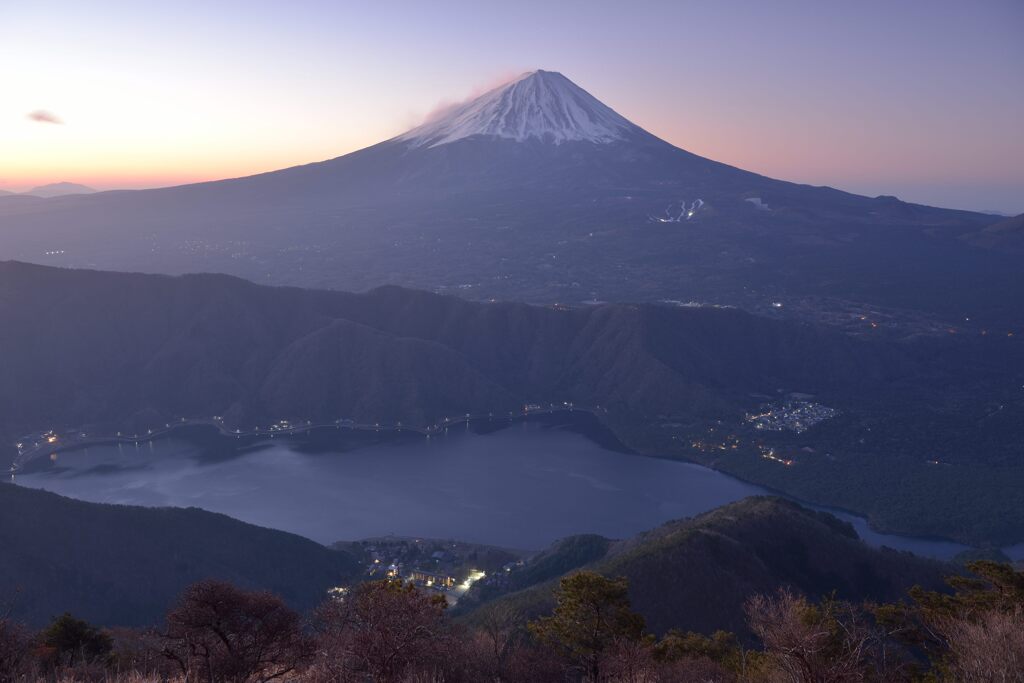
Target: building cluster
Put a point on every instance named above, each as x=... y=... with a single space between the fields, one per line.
x=796 y=416
x=770 y=453
x=715 y=441
x=446 y=567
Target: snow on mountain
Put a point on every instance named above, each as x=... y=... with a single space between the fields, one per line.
x=539 y=104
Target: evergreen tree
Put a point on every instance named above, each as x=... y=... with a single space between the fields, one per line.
x=592 y=616
x=74 y=641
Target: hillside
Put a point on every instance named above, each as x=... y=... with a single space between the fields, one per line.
x=90 y=348
x=1006 y=234
x=120 y=565
x=105 y=352
x=695 y=574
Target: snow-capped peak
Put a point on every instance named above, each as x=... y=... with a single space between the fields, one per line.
x=539 y=104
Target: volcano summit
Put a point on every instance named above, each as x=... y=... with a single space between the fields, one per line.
x=536 y=191
x=540 y=104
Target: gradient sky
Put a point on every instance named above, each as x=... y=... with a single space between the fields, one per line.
x=922 y=99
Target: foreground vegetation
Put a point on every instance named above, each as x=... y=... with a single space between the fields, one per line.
x=747 y=547
x=390 y=632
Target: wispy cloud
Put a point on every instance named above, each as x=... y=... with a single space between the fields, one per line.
x=447 y=105
x=43 y=116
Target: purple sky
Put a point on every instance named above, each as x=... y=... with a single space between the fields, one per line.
x=920 y=99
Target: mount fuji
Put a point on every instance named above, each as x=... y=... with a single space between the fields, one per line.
x=537 y=191
x=542 y=104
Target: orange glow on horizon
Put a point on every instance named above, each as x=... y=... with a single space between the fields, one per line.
x=112 y=175
x=764 y=148
x=107 y=156
x=192 y=91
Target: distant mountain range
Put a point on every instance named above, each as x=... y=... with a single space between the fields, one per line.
x=124 y=566
x=59 y=190
x=52 y=190
x=536 y=191
x=920 y=418
x=101 y=349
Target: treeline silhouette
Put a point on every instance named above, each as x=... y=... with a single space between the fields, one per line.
x=392 y=632
x=120 y=564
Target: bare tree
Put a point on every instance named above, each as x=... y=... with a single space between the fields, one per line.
x=687 y=657
x=630 y=661
x=833 y=642
x=986 y=649
x=220 y=633
x=15 y=647
x=383 y=630
x=499 y=638
x=140 y=652
x=530 y=662
x=975 y=633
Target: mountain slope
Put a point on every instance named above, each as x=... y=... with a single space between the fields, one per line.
x=121 y=565
x=1006 y=234
x=103 y=347
x=696 y=574
x=922 y=421
x=537 y=191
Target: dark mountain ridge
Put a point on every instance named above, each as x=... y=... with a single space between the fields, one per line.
x=124 y=565
x=89 y=347
x=105 y=352
x=696 y=574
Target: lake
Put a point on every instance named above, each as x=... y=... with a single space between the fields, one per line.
x=521 y=486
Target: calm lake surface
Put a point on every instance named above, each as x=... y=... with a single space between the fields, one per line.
x=522 y=486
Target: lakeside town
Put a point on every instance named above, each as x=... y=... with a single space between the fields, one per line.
x=798 y=414
x=447 y=568
x=50 y=442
